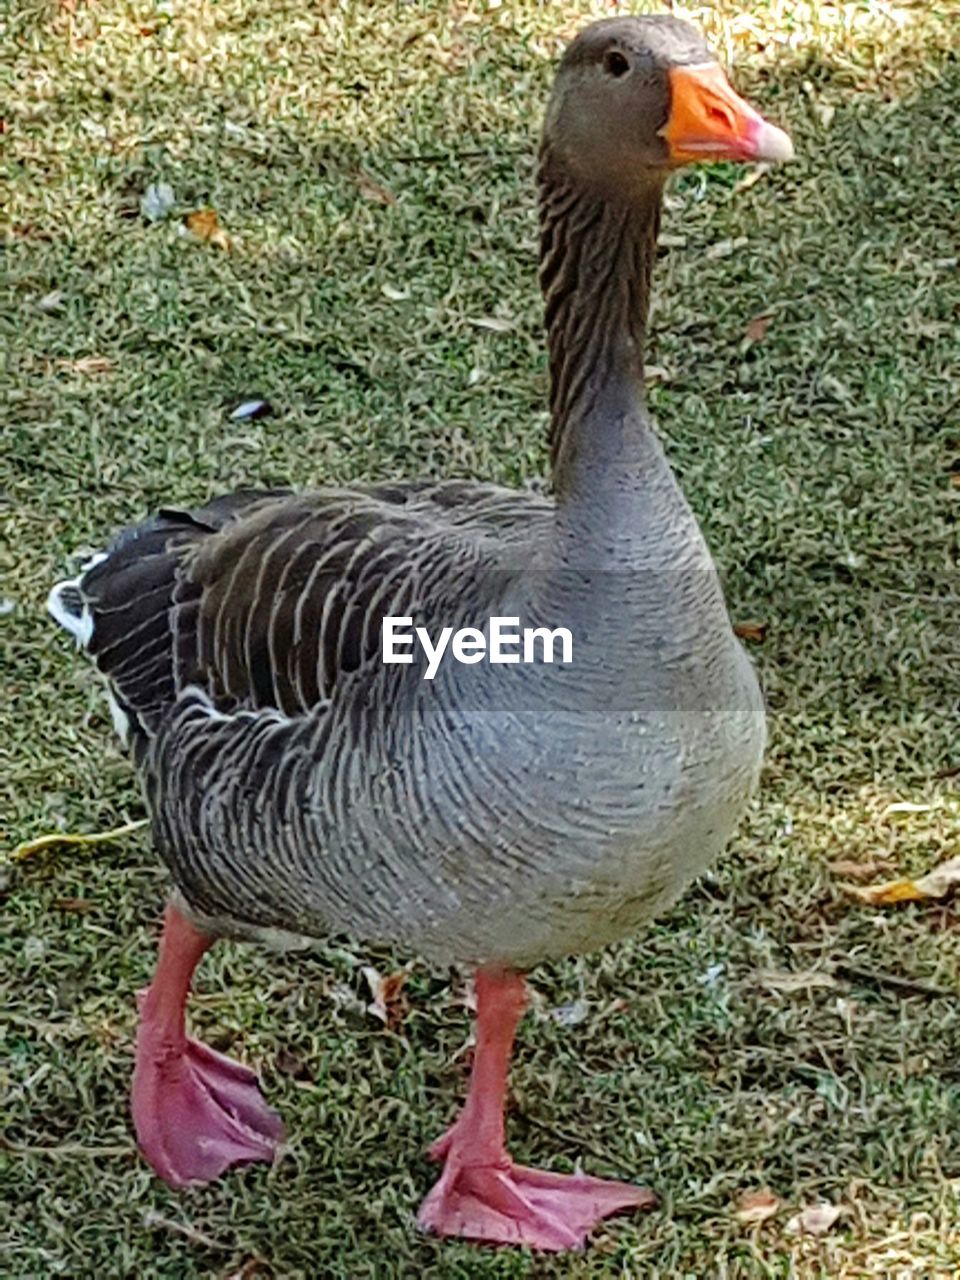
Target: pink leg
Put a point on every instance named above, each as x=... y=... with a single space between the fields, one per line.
x=195 y=1111
x=482 y=1194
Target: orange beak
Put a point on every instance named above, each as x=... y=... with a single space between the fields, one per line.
x=709 y=121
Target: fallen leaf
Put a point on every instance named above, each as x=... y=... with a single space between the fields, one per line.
x=751 y=178
x=372 y=190
x=955 y=479
x=788 y=980
x=724 y=248
x=656 y=373
x=394 y=295
x=936 y=884
x=756 y=1206
x=752 y=630
x=51 y=301
x=205 y=225
x=86 y=365
x=494 y=323
x=30 y=847
x=905 y=806
x=252 y=1267
x=815 y=1220
x=825 y=111
x=290 y=1064
x=389 y=1002
x=757 y=327
x=78 y=906
x=857 y=870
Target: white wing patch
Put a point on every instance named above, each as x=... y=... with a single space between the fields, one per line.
x=66 y=605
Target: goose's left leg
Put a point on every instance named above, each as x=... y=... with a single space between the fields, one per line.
x=195 y=1111
x=482 y=1194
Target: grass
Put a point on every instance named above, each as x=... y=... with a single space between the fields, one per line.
x=372 y=163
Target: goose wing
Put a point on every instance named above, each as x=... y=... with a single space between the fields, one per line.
x=269 y=599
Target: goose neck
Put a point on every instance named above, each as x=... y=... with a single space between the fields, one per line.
x=596 y=260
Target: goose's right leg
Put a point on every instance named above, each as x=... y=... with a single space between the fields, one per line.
x=195 y=1111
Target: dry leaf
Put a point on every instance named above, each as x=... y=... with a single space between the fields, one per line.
x=290 y=1064
x=205 y=225
x=394 y=295
x=751 y=178
x=955 y=479
x=78 y=906
x=30 y=847
x=372 y=190
x=857 y=870
x=825 y=111
x=815 y=1220
x=936 y=884
x=493 y=323
x=389 y=1003
x=752 y=630
x=252 y=1267
x=86 y=365
x=724 y=248
x=756 y=1206
x=788 y=980
x=757 y=327
x=905 y=806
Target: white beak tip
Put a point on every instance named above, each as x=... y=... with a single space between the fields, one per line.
x=773 y=146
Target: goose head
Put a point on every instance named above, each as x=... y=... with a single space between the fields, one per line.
x=636 y=97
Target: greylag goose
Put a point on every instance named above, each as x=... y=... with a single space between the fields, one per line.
x=497 y=814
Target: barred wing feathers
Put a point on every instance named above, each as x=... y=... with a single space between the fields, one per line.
x=267 y=600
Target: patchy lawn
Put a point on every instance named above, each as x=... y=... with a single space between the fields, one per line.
x=371 y=164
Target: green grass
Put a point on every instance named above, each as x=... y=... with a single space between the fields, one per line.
x=819 y=460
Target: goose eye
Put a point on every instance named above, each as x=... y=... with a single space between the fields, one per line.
x=615 y=64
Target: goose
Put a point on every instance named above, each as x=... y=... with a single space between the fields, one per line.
x=502 y=813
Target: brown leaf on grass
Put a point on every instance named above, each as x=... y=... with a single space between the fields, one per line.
x=789 y=980
x=86 y=365
x=757 y=327
x=754 y=1207
x=815 y=1220
x=936 y=884
x=372 y=190
x=752 y=630
x=858 y=870
x=252 y=1267
x=389 y=1002
x=291 y=1064
x=496 y=324
x=76 y=906
x=955 y=479
x=205 y=225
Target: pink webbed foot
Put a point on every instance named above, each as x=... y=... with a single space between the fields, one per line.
x=507 y=1203
x=197 y=1112
x=482 y=1194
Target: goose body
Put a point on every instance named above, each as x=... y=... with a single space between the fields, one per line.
x=496 y=815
